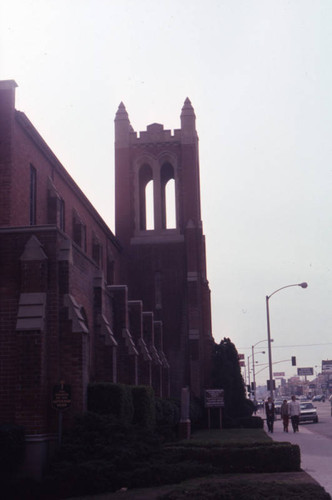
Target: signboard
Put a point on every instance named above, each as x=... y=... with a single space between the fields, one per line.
x=214 y=398
x=242 y=363
x=279 y=374
x=305 y=371
x=61 y=399
x=327 y=366
x=240 y=356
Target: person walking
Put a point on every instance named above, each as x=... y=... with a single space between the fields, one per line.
x=269 y=412
x=284 y=413
x=294 y=413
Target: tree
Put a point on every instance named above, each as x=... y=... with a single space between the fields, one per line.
x=226 y=374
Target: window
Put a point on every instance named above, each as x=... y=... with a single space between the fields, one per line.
x=62 y=214
x=97 y=251
x=168 y=214
x=33 y=195
x=79 y=231
x=146 y=191
x=110 y=271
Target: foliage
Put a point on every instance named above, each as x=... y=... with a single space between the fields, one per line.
x=144 y=406
x=111 y=399
x=226 y=374
x=167 y=418
x=12 y=449
x=248 y=490
x=261 y=457
x=102 y=454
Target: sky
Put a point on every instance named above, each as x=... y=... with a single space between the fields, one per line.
x=259 y=76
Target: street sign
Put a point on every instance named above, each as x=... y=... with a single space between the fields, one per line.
x=240 y=356
x=279 y=374
x=305 y=371
x=214 y=398
x=61 y=399
x=326 y=366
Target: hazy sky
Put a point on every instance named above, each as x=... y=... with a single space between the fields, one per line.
x=259 y=75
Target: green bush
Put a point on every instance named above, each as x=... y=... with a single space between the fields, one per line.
x=251 y=422
x=111 y=399
x=249 y=490
x=144 y=406
x=262 y=457
x=167 y=418
x=12 y=449
x=197 y=413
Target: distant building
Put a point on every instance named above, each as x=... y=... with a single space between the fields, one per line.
x=79 y=304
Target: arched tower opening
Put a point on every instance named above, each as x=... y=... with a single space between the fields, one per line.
x=168 y=199
x=146 y=216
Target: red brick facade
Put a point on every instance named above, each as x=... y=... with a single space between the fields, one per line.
x=78 y=304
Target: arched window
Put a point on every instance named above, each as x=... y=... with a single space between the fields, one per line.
x=168 y=205
x=149 y=211
x=146 y=218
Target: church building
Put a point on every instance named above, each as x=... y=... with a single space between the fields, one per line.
x=80 y=304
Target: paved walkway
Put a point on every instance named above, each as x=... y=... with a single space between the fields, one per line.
x=316 y=452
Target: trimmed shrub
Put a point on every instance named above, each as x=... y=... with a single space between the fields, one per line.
x=262 y=457
x=111 y=399
x=249 y=490
x=167 y=418
x=12 y=449
x=197 y=413
x=251 y=422
x=144 y=406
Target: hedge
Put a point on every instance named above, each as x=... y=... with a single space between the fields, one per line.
x=111 y=399
x=12 y=449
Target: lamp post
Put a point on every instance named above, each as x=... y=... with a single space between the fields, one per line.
x=302 y=285
x=253 y=370
x=253 y=362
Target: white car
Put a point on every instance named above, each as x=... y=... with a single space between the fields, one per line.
x=308 y=413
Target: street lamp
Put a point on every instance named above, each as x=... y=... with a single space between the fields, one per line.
x=302 y=285
x=253 y=369
x=253 y=362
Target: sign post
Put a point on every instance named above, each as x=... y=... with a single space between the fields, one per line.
x=61 y=401
x=214 y=398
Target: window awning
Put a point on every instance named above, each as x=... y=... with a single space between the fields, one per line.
x=144 y=350
x=106 y=330
x=31 y=311
x=75 y=314
x=129 y=341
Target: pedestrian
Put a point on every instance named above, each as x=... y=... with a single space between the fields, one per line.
x=269 y=412
x=294 y=412
x=284 y=413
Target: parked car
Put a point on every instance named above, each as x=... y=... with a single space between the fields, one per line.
x=319 y=397
x=308 y=413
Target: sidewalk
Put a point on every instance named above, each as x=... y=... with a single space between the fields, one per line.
x=316 y=452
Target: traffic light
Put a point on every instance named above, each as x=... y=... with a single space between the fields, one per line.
x=293 y=360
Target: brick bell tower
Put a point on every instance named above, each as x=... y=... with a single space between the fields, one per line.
x=165 y=266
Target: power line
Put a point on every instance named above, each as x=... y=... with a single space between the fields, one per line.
x=294 y=345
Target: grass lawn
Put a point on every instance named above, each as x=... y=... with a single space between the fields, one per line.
x=229 y=436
